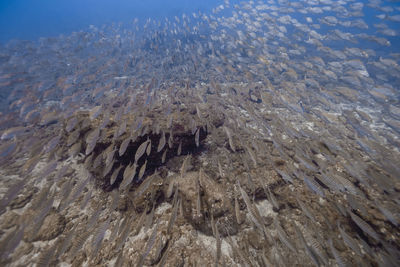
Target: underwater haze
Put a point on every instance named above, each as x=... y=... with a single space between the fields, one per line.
x=29 y=20
x=200 y=133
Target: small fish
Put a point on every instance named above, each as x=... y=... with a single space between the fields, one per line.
x=149 y=245
x=72 y=137
x=213 y=228
x=148 y=150
x=110 y=157
x=124 y=232
x=170 y=188
x=198 y=112
x=97 y=161
x=142 y=170
x=91 y=141
x=79 y=188
x=314 y=186
x=221 y=173
x=106 y=119
x=170 y=140
x=173 y=215
x=253 y=211
x=66 y=241
x=99 y=235
x=164 y=155
x=128 y=176
x=339 y=260
x=283 y=237
x=50 y=167
x=169 y=121
x=114 y=175
x=237 y=211
x=30 y=164
x=108 y=168
x=349 y=241
x=162 y=142
x=149 y=218
x=94 y=112
x=310 y=252
x=12 y=132
x=51 y=144
x=61 y=172
x=75 y=149
x=71 y=123
x=196 y=137
x=287 y=177
x=272 y=198
x=179 y=149
x=124 y=146
x=80 y=240
x=140 y=151
x=252 y=156
x=144 y=186
x=114 y=199
x=364 y=226
x=85 y=201
x=228 y=133
x=390 y=216
x=198 y=199
x=184 y=166
x=218 y=253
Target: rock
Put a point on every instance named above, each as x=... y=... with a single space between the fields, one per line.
x=8 y=220
x=53 y=225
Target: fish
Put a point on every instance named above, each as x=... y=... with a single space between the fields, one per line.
x=253 y=211
x=114 y=175
x=142 y=170
x=196 y=137
x=12 y=132
x=71 y=123
x=310 y=252
x=304 y=208
x=339 y=259
x=141 y=150
x=184 y=166
x=91 y=141
x=52 y=144
x=349 y=241
x=364 y=226
x=283 y=237
x=313 y=186
x=218 y=246
x=179 y=151
x=148 y=149
x=229 y=135
x=164 y=155
x=129 y=174
x=256 y=88
x=95 y=112
x=162 y=142
x=148 y=246
x=99 y=235
x=124 y=145
x=237 y=211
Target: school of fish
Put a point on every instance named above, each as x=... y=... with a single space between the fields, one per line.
x=263 y=133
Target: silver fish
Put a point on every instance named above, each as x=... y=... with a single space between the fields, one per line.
x=162 y=142
x=141 y=149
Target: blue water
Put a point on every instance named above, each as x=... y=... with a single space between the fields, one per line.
x=29 y=20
